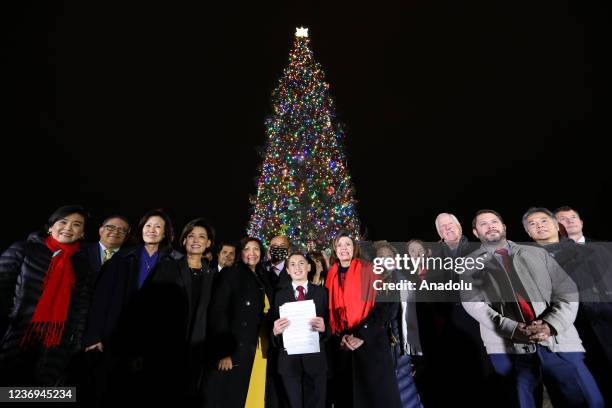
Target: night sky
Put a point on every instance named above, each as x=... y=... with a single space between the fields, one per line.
x=448 y=106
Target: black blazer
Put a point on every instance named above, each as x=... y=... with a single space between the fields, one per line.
x=92 y=252
x=313 y=363
x=279 y=281
x=214 y=267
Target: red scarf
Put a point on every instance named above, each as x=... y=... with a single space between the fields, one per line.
x=52 y=309
x=350 y=303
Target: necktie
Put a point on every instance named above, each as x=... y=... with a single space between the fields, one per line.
x=300 y=295
x=525 y=307
x=107 y=255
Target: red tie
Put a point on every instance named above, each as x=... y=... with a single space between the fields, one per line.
x=526 y=309
x=300 y=295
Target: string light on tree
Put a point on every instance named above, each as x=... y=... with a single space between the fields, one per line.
x=304 y=189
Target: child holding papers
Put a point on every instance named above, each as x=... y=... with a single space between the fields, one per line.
x=302 y=363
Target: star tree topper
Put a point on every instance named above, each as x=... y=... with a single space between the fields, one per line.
x=301 y=32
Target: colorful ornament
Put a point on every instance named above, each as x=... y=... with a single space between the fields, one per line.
x=304 y=190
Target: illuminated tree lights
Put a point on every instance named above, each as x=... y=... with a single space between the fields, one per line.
x=304 y=190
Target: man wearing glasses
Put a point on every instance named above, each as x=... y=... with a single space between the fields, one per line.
x=113 y=233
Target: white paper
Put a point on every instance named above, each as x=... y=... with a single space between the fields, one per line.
x=299 y=337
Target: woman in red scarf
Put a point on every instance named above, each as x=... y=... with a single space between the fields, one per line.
x=44 y=295
x=362 y=368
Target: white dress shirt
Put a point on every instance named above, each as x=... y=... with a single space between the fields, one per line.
x=296 y=292
x=278 y=268
x=103 y=252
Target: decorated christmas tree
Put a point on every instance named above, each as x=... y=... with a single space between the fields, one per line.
x=304 y=190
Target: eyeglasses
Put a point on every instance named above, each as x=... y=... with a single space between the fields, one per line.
x=118 y=230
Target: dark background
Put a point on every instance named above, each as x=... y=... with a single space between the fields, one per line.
x=448 y=106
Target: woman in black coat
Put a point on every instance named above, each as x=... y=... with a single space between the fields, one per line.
x=45 y=288
x=362 y=369
x=178 y=333
x=239 y=330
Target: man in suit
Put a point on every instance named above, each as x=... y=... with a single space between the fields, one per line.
x=226 y=256
x=526 y=306
x=275 y=267
x=304 y=376
x=276 y=274
x=113 y=233
x=591 y=269
x=570 y=219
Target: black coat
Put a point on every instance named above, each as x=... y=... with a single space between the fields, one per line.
x=22 y=270
x=92 y=251
x=313 y=363
x=119 y=318
x=173 y=328
x=175 y=274
x=114 y=292
x=448 y=334
x=279 y=281
x=214 y=267
x=235 y=318
x=590 y=266
x=365 y=377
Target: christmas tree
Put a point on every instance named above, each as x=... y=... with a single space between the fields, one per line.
x=304 y=190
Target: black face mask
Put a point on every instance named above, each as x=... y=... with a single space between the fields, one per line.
x=278 y=255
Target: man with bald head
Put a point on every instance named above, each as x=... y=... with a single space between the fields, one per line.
x=275 y=267
x=276 y=272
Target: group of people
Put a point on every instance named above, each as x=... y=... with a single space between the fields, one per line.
x=199 y=324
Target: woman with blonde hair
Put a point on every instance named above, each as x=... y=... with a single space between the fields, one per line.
x=363 y=374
